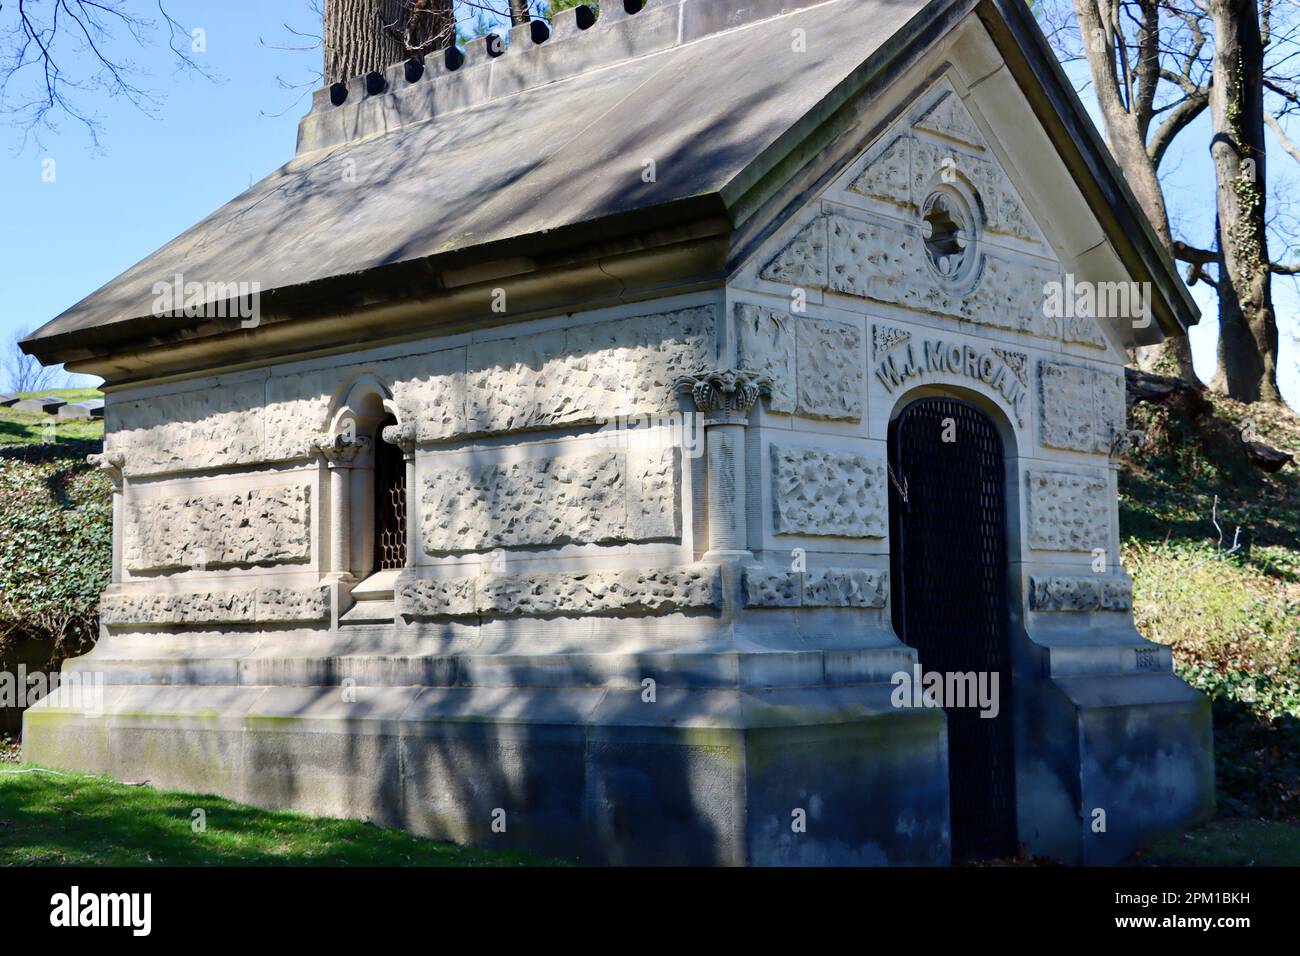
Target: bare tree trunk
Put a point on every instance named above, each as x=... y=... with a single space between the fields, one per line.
x=1248 y=340
x=355 y=39
x=519 y=12
x=1126 y=134
x=365 y=35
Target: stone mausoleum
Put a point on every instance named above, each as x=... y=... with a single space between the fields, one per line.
x=594 y=446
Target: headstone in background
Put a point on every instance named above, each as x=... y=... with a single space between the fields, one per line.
x=91 y=408
x=44 y=403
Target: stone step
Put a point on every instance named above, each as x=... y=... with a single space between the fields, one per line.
x=371 y=612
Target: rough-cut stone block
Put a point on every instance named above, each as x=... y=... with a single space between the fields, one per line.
x=652 y=494
x=613 y=496
x=1084 y=593
x=948 y=117
x=655 y=590
x=1082 y=409
x=587 y=373
x=259 y=606
x=816 y=366
x=816 y=587
x=200 y=607
x=443 y=597
x=844 y=587
x=830 y=369
x=802 y=263
x=772 y=587
x=887 y=174
x=207 y=427
x=824 y=492
x=1068 y=512
x=765 y=344
x=1083 y=330
x=292 y=604
x=429 y=388
x=873 y=260
x=222 y=529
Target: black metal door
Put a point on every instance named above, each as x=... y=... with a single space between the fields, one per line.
x=948 y=573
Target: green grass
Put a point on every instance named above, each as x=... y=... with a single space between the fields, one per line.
x=69 y=819
x=22 y=429
x=1213 y=546
x=1228 y=843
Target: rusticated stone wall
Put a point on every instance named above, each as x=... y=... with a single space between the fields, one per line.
x=815 y=366
x=1082 y=408
x=1055 y=592
x=219 y=530
x=816 y=587
x=830 y=493
x=1068 y=512
x=612 y=496
x=866 y=240
x=260 y=606
x=659 y=590
x=572 y=376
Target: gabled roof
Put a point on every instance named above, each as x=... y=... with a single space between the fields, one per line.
x=535 y=153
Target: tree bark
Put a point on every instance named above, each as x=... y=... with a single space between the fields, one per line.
x=1126 y=134
x=1248 y=339
x=365 y=35
x=355 y=39
x=519 y=12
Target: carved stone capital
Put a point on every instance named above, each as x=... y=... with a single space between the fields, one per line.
x=724 y=394
x=401 y=435
x=110 y=463
x=339 y=450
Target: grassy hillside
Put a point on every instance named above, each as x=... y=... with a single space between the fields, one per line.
x=1213 y=545
x=18 y=428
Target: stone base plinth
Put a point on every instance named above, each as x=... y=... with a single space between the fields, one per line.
x=823 y=775
x=1107 y=762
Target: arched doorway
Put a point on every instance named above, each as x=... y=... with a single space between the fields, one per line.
x=948 y=574
x=390 y=502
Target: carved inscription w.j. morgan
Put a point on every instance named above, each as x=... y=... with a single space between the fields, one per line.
x=1002 y=370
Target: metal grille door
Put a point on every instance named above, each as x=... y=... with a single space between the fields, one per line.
x=390 y=503
x=949 y=594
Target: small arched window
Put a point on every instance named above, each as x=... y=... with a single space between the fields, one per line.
x=390 y=502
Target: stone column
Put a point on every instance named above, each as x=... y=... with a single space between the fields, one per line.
x=340 y=452
x=724 y=397
x=403 y=436
x=112 y=464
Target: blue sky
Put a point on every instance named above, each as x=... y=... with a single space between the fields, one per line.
x=205 y=142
